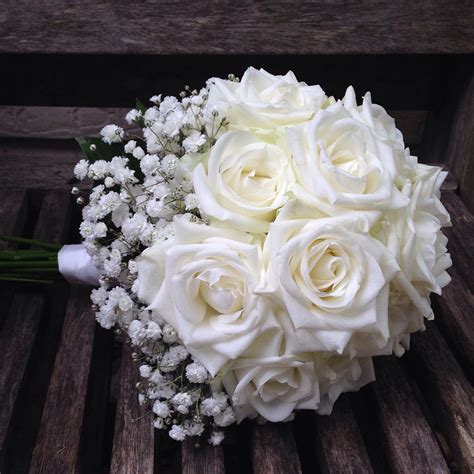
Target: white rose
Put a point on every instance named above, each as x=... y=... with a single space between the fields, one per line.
x=341 y=165
x=333 y=278
x=413 y=235
x=203 y=287
x=262 y=100
x=339 y=374
x=374 y=116
x=246 y=181
x=272 y=386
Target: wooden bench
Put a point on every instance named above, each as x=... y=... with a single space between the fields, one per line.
x=67 y=387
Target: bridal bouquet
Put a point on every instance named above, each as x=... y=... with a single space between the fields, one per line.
x=258 y=243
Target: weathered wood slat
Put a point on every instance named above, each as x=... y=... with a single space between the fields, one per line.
x=236 y=28
x=16 y=340
x=133 y=449
x=18 y=334
x=447 y=392
x=461 y=236
x=460 y=152
x=57 y=446
x=410 y=444
x=58 y=122
x=339 y=444
x=70 y=122
x=274 y=449
x=37 y=164
x=205 y=458
x=453 y=312
x=12 y=207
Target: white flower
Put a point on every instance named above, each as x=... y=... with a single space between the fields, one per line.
x=341 y=165
x=130 y=146
x=112 y=134
x=339 y=374
x=169 y=164
x=99 y=169
x=149 y=164
x=177 y=432
x=194 y=142
x=262 y=100
x=193 y=429
x=99 y=295
x=196 y=373
x=210 y=407
x=145 y=372
x=226 y=418
x=272 y=386
x=203 y=284
x=246 y=181
x=333 y=278
x=156 y=99
x=191 y=202
x=136 y=332
x=138 y=153
x=133 y=116
x=182 y=401
x=216 y=438
x=81 y=169
x=161 y=409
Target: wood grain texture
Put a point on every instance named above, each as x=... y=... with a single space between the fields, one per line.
x=460 y=152
x=205 y=458
x=20 y=328
x=339 y=444
x=57 y=445
x=239 y=27
x=448 y=393
x=38 y=164
x=453 y=312
x=16 y=340
x=461 y=236
x=70 y=122
x=274 y=449
x=133 y=448
x=410 y=444
x=60 y=122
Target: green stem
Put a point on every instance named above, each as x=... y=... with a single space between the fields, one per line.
x=24 y=280
x=38 y=243
x=29 y=264
x=27 y=255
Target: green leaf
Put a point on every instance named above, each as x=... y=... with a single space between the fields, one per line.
x=140 y=106
x=103 y=151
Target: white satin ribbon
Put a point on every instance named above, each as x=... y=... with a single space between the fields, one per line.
x=76 y=266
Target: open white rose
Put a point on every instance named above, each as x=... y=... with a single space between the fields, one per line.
x=413 y=235
x=246 y=181
x=207 y=277
x=374 y=116
x=272 y=386
x=341 y=165
x=333 y=279
x=339 y=374
x=261 y=100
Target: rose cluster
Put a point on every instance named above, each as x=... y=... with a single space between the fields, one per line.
x=280 y=236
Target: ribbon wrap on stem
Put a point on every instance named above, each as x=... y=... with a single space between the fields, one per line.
x=76 y=265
